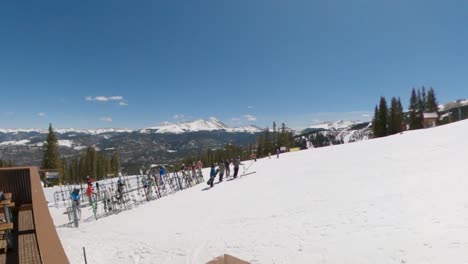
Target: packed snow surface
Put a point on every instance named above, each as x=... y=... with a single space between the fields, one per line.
x=399 y=199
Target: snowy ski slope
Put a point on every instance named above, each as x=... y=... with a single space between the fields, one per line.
x=400 y=199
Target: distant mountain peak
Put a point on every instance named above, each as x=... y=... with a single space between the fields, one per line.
x=209 y=124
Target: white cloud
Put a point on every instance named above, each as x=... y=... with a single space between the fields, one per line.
x=104 y=98
x=250 y=117
x=123 y=103
x=178 y=116
x=365 y=115
x=250 y=107
x=41 y=114
x=106 y=119
x=101 y=98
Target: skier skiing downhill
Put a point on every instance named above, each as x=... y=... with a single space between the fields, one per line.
x=200 y=165
x=236 y=166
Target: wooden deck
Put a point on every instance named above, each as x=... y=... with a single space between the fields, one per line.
x=34 y=237
x=25 y=249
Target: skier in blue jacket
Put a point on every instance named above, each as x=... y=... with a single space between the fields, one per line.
x=162 y=171
x=75 y=196
x=212 y=175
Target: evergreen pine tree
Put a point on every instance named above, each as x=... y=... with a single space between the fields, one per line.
x=423 y=100
x=260 y=146
x=275 y=134
x=420 y=102
x=268 y=143
x=414 y=118
x=431 y=104
x=375 y=123
x=395 y=117
x=383 y=116
x=392 y=126
x=400 y=118
x=91 y=162
x=64 y=171
x=50 y=158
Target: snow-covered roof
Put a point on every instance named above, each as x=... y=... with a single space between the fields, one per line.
x=430 y=115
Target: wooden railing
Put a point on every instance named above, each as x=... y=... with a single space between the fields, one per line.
x=25 y=185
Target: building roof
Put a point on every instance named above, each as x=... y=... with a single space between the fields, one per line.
x=430 y=115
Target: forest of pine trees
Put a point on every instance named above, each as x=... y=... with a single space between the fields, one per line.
x=89 y=163
x=392 y=121
x=215 y=156
x=269 y=141
x=6 y=163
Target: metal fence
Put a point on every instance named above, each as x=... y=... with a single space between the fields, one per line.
x=109 y=198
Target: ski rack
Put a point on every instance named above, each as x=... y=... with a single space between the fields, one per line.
x=171 y=183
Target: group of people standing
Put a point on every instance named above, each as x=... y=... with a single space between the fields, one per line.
x=224 y=167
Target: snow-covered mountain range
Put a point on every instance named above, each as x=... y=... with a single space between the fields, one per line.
x=210 y=124
x=162 y=143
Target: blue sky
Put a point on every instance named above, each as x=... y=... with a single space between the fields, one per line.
x=134 y=64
